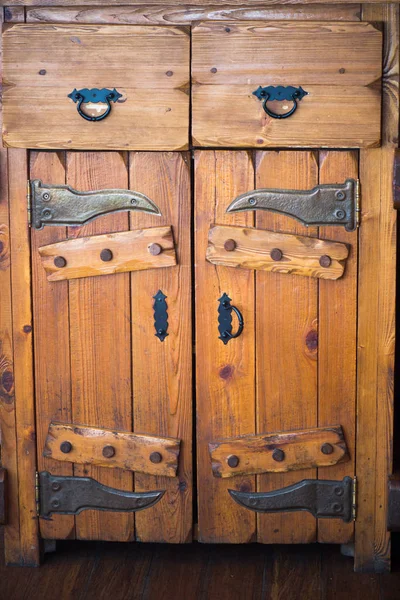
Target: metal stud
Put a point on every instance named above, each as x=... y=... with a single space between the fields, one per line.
x=155 y=457
x=325 y=261
x=60 y=262
x=278 y=455
x=230 y=245
x=233 y=461
x=66 y=447
x=276 y=254
x=327 y=448
x=106 y=255
x=108 y=451
x=155 y=249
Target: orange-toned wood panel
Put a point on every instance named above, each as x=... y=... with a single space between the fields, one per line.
x=337 y=343
x=224 y=373
x=100 y=343
x=51 y=342
x=286 y=322
x=162 y=371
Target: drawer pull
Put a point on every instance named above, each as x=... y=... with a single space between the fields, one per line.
x=94 y=96
x=270 y=93
x=225 y=309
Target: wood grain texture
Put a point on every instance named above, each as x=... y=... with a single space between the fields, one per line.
x=300 y=254
x=23 y=357
x=14 y=14
x=286 y=322
x=131 y=450
x=225 y=373
x=176 y=2
x=162 y=371
x=130 y=252
x=186 y=14
x=153 y=112
x=51 y=342
x=100 y=343
x=337 y=343
x=376 y=317
x=342 y=108
x=302 y=450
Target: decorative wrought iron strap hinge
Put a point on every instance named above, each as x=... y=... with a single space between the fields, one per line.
x=72 y=495
x=327 y=204
x=322 y=498
x=62 y=205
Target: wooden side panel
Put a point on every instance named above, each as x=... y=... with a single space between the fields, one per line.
x=23 y=357
x=376 y=316
x=51 y=342
x=100 y=343
x=161 y=371
x=337 y=343
x=225 y=373
x=286 y=324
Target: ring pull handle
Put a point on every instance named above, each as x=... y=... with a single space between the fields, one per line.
x=225 y=309
x=290 y=93
x=94 y=96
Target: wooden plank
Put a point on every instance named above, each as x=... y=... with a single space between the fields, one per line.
x=39 y=114
x=14 y=14
x=225 y=373
x=337 y=344
x=51 y=342
x=130 y=451
x=100 y=343
x=162 y=371
x=277 y=252
x=186 y=14
x=23 y=357
x=324 y=446
x=286 y=322
x=339 y=84
x=376 y=317
x=176 y=3
x=137 y=250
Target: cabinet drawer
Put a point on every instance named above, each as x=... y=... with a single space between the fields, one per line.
x=338 y=65
x=45 y=64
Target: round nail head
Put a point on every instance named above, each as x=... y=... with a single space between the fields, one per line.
x=276 y=254
x=326 y=448
x=60 y=262
x=325 y=261
x=230 y=245
x=155 y=457
x=278 y=455
x=106 y=255
x=155 y=249
x=66 y=447
x=108 y=451
x=233 y=461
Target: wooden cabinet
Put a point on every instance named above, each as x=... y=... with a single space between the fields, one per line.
x=193 y=325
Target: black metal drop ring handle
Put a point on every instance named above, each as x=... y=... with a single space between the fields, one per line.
x=81 y=99
x=95 y=96
x=283 y=115
x=280 y=93
x=239 y=315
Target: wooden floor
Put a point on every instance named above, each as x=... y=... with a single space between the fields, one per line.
x=86 y=570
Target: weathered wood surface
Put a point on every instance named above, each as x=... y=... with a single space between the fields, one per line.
x=129 y=451
x=225 y=373
x=186 y=14
x=130 y=251
x=303 y=449
x=342 y=108
x=162 y=371
x=152 y=114
x=337 y=343
x=176 y=3
x=255 y=248
x=376 y=316
x=3 y=496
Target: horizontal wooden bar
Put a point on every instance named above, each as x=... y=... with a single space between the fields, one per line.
x=80 y=444
x=278 y=452
x=278 y=252
x=109 y=253
x=225 y=3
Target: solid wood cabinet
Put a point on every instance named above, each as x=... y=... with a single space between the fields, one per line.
x=182 y=337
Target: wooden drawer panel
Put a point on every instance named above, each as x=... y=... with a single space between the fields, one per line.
x=338 y=64
x=149 y=66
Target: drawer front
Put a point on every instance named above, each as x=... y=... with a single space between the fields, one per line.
x=338 y=65
x=45 y=64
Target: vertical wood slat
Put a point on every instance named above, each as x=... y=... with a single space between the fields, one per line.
x=23 y=356
x=51 y=342
x=162 y=371
x=286 y=324
x=100 y=343
x=225 y=373
x=337 y=343
x=376 y=315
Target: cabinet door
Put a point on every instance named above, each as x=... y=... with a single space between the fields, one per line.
x=292 y=370
x=98 y=361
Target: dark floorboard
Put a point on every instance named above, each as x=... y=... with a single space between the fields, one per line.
x=90 y=570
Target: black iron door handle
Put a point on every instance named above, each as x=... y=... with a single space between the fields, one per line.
x=225 y=309
x=95 y=96
x=290 y=93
